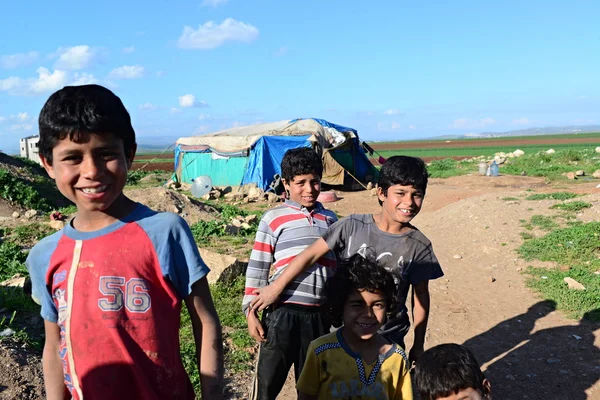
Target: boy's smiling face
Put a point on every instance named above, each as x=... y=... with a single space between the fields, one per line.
x=304 y=189
x=401 y=203
x=91 y=173
x=364 y=313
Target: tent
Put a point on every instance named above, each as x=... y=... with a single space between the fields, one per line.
x=253 y=154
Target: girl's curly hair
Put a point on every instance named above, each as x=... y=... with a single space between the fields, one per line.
x=358 y=273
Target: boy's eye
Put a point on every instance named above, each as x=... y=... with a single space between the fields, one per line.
x=379 y=305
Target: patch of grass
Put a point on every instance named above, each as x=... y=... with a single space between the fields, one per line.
x=238 y=343
x=552 y=196
x=573 y=206
x=576 y=246
x=205 y=231
x=21 y=192
x=448 y=167
x=527 y=236
x=544 y=222
x=553 y=166
x=30 y=234
x=510 y=198
x=134 y=177
x=12 y=260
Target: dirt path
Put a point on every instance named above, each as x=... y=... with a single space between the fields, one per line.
x=529 y=351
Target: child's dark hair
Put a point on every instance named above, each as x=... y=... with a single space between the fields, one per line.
x=358 y=273
x=78 y=111
x=447 y=369
x=300 y=161
x=405 y=171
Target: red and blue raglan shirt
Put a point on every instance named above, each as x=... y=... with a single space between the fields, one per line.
x=116 y=295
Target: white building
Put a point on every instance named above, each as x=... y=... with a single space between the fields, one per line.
x=30 y=149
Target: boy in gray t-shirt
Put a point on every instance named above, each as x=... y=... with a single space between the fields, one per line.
x=391 y=239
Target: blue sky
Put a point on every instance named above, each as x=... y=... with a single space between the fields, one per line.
x=394 y=70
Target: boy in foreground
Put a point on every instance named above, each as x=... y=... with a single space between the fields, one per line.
x=451 y=372
x=356 y=362
x=400 y=247
x=111 y=283
x=283 y=232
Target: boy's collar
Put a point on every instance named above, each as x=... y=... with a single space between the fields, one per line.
x=292 y=203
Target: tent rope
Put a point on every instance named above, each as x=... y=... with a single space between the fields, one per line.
x=161 y=153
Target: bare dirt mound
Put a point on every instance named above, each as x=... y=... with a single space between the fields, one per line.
x=161 y=199
x=22 y=377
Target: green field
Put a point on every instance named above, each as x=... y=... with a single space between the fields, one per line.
x=483 y=150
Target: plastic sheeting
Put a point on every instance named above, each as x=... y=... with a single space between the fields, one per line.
x=266 y=155
x=223 y=171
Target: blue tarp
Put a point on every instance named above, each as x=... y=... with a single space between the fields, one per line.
x=266 y=156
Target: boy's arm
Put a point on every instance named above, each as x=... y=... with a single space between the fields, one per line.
x=259 y=265
x=269 y=294
x=208 y=338
x=54 y=379
x=420 y=311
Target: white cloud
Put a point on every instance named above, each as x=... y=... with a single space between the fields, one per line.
x=412 y=127
x=74 y=58
x=127 y=72
x=204 y=117
x=160 y=73
x=22 y=116
x=10 y=84
x=2 y=119
x=20 y=127
x=129 y=49
x=189 y=100
x=83 y=79
x=521 y=121
x=18 y=60
x=213 y=3
x=392 y=112
x=175 y=110
x=47 y=81
x=395 y=126
x=201 y=129
x=459 y=123
x=210 y=35
x=282 y=51
x=147 y=107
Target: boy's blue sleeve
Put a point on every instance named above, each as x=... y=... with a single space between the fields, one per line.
x=37 y=263
x=178 y=254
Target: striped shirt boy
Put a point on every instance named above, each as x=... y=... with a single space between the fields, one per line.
x=283 y=233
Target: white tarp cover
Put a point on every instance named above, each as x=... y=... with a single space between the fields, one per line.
x=243 y=137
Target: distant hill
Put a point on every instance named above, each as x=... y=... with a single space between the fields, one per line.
x=548 y=130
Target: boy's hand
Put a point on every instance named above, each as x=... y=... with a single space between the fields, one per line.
x=255 y=328
x=415 y=353
x=265 y=297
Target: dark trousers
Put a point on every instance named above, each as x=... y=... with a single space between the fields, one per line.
x=289 y=330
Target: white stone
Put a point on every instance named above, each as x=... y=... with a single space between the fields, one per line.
x=580 y=173
x=518 y=153
x=550 y=151
x=16 y=215
x=223 y=268
x=573 y=284
x=598 y=149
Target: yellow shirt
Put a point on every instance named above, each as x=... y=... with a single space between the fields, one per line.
x=333 y=371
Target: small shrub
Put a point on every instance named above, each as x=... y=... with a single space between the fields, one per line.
x=552 y=196
x=573 y=206
x=20 y=192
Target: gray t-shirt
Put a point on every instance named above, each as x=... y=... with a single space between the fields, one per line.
x=409 y=256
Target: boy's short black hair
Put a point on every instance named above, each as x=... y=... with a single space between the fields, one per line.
x=300 y=161
x=405 y=171
x=78 y=111
x=447 y=369
x=358 y=273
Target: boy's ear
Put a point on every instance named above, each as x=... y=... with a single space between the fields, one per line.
x=381 y=194
x=131 y=155
x=47 y=166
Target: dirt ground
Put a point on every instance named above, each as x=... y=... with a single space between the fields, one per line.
x=528 y=349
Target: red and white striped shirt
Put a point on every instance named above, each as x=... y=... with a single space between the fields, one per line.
x=283 y=233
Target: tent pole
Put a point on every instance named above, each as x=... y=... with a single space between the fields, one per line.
x=360 y=183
